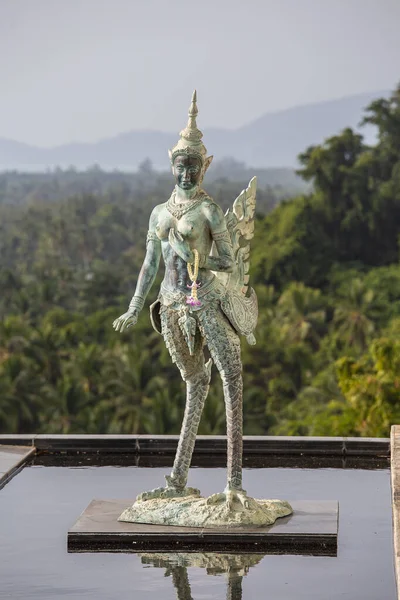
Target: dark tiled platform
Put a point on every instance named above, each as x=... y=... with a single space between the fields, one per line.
x=12 y=459
x=205 y=445
x=312 y=529
x=250 y=461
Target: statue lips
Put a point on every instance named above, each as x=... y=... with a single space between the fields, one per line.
x=187 y=184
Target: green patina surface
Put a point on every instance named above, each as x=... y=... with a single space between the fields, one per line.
x=215 y=511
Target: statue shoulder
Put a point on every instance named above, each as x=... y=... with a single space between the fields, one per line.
x=157 y=209
x=208 y=202
x=156 y=212
x=213 y=212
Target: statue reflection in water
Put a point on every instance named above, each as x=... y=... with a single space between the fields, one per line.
x=235 y=566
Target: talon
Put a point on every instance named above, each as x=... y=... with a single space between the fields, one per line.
x=244 y=501
x=215 y=498
x=230 y=497
x=167 y=492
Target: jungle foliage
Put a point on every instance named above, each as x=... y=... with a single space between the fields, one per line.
x=325 y=267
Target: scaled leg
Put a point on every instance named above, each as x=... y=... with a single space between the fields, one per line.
x=197 y=376
x=224 y=345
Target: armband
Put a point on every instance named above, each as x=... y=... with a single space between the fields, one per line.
x=137 y=302
x=222 y=236
x=151 y=237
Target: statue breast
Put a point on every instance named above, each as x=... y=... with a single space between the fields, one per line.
x=165 y=222
x=188 y=227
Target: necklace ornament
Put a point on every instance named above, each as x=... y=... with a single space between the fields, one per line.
x=193 y=300
x=178 y=210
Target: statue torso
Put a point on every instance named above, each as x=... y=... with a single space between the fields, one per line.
x=194 y=227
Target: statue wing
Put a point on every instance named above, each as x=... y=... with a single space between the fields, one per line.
x=240 y=224
x=240 y=304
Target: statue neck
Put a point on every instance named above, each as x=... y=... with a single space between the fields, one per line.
x=185 y=195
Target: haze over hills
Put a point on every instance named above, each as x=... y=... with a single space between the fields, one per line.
x=273 y=140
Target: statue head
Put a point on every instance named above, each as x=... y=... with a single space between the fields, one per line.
x=187 y=171
x=188 y=157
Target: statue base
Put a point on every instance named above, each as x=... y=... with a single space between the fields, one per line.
x=212 y=512
x=312 y=529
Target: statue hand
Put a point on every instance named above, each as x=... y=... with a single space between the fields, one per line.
x=126 y=320
x=180 y=246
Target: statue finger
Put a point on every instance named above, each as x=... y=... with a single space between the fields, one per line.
x=124 y=323
x=120 y=322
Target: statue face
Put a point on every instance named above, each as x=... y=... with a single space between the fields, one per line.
x=187 y=171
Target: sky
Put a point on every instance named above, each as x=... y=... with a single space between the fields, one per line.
x=84 y=70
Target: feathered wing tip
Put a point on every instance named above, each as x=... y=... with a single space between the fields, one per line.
x=242 y=231
x=244 y=207
x=240 y=224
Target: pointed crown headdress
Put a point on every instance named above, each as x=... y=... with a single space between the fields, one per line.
x=190 y=143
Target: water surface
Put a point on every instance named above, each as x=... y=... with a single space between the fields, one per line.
x=40 y=504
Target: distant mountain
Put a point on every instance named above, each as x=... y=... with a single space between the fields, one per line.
x=273 y=140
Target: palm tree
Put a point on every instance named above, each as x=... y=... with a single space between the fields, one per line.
x=66 y=409
x=301 y=311
x=47 y=348
x=163 y=405
x=353 y=316
x=127 y=373
x=21 y=395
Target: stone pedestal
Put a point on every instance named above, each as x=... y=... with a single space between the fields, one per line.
x=215 y=511
x=311 y=529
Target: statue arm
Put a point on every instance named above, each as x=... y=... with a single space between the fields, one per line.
x=150 y=265
x=224 y=262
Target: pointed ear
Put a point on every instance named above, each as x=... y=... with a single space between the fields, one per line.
x=207 y=162
x=170 y=159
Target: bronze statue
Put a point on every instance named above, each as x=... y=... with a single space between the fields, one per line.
x=204 y=300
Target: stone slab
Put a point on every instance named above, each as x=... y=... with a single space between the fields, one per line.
x=312 y=529
x=12 y=460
